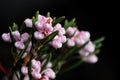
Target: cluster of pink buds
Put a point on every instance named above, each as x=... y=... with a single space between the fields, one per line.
x=32 y=44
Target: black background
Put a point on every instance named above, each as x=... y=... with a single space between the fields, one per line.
x=92 y=16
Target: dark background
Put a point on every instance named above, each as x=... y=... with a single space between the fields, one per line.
x=91 y=16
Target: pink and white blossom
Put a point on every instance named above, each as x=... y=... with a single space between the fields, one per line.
x=24 y=70
x=92 y=58
x=19 y=45
x=16 y=35
x=28 y=23
x=38 y=35
x=36 y=75
x=6 y=37
x=49 y=72
x=71 y=42
x=58 y=27
x=24 y=37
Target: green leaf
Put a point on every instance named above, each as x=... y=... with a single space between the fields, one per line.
x=14 y=27
x=74 y=65
x=22 y=27
x=97 y=51
x=36 y=16
x=11 y=36
x=99 y=40
x=48 y=14
x=98 y=46
x=33 y=20
x=50 y=37
x=58 y=20
x=68 y=24
x=49 y=57
x=30 y=67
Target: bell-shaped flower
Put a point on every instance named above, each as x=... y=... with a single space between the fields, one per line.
x=6 y=37
x=92 y=58
x=36 y=75
x=28 y=23
x=71 y=30
x=19 y=45
x=24 y=70
x=16 y=35
x=58 y=27
x=71 y=42
x=49 y=72
x=38 y=35
x=24 y=37
x=26 y=77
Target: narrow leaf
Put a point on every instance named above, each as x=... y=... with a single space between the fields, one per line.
x=99 y=40
x=14 y=27
x=36 y=15
x=68 y=24
x=11 y=35
x=74 y=65
x=49 y=57
x=48 y=14
x=50 y=37
x=58 y=20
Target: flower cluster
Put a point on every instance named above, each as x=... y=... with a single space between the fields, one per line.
x=42 y=46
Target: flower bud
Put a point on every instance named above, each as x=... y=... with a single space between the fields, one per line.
x=49 y=72
x=71 y=42
x=90 y=47
x=24 y=37
x=26 y=77
x=24 y=70
x=56 y=44
x=28 y=23
x=19 y=45
x=38 y=35
x=16 y=35
x=92 y=58
x=36 y=75
x=6 y=37
x=59 y=28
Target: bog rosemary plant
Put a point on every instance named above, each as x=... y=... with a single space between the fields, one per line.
x=41 y=47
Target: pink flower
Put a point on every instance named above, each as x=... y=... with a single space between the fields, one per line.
x=49 y=64
x=28 y=23
x=26 y=77
x=59 y=28
x=92 y=58
x=16 y=35
x=71 y=42
x=19 y=45
x=38 y=25
x=82 y=37
x=83 y=52
x=6 y=37
x=90 y=47
x=42 y=19
x=24 y=70
x=47 y=28
x=56 y=44
x=49 y=73
x=45 y=78
x=36 y=65
x=38 y=35
x=71 y=30
x=36 y=75
x=24 y=37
